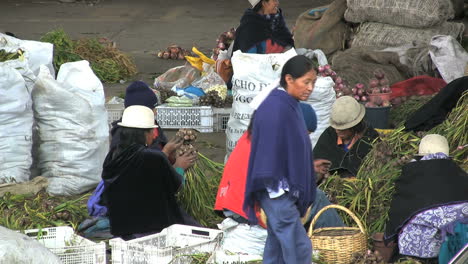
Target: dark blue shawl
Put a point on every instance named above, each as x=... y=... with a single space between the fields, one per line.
x=281 y=150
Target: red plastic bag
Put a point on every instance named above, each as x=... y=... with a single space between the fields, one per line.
x=419 y=85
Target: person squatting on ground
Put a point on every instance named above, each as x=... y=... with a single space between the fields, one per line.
x=140 y=184
x=348 y=139
x=280 y=176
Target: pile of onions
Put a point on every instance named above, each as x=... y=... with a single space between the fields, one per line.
x=378 y=85
x=224 y=41
x=174 y=52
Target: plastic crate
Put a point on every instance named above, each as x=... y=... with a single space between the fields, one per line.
x=172 y=245
x=199 y=118
x=221 y=118
x=114 y=111
x=69 y=247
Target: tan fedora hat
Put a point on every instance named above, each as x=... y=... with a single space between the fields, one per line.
x=138 y=116
x=433 y=143
x=346 y=112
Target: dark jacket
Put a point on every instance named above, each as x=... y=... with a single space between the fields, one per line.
x=423 y=185
x=140 y=188
x=346 y=163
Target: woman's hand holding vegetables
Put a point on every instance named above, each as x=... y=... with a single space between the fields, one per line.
x=186 y=160
x=171 y=146
x=321 y=167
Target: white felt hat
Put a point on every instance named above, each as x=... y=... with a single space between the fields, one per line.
x=254 y=2
x=346 y=112
x=137 y=116
x=433 y=143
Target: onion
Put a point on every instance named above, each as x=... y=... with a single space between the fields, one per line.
x=354 y=90
x=230 y=35
x=360 y=92
x=383 y=82
x=327 y=67
x=364 y=98
x=360 y=86
x=373 y=83
x=166 y=55
x=386 y=89
x=376 y=90
x=221 y=46
x=321 y=69
x=333 y=74
x=386 y=103
x=328 y=72
x=338 y=80
x=340 y=86
x=379 y=74
x=357 y=97
x=174 y=56
x=181 y=56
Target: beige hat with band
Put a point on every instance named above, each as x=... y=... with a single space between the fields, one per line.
x=138 y=116
x=346 y=112
x=254 y=2
x=433 y=143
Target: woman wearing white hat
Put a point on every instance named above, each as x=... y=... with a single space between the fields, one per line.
x=348 y=139
x=262 y=29
x=431 y=197
x=140 y=182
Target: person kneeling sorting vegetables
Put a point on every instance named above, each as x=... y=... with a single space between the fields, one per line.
x=348 y=139
x=140 y=183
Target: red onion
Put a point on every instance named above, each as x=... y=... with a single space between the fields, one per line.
x=333 y=74
x=221 y=46
x=357 y=97
x=321 y=69
x=354 y=90
x=373 y=83
x=383 y=82
x=340 y=86
x=230 y=35
x=376 y=90
x=360 y=86
x=327 y=67
x=386 y=89
x=360 y=92
x=364 y=98
x=338 y=80
x=379 y=74
x=328 y=72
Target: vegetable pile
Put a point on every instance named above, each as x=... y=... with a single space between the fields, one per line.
x=108 y=63
x=370 y=193
x=198 y=195
x=224 y=41
x=367 y=258
x=378 y=87
x=174 y=52
x=6 y=56
x=20 y=212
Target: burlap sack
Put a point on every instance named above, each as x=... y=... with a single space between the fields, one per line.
x=357 y=65
x=324 y=30
x=384 y=35
x=414 y=14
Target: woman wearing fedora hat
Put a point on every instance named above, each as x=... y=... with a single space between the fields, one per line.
x=348 y=139
x=139 y=182
x=262 y=29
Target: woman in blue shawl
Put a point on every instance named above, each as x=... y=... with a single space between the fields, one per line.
x=280 y=176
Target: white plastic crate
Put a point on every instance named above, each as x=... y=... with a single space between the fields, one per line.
x=172 y=245
x=114 y=111
x=199 y=118
x=221 y=118
x=69 y=247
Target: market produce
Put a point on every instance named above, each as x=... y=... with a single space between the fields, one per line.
x=173 y=52
x=224 y=41
x=179 y=101
x=228 y=102
x=198 y=195
x=165 y=94
x=370 y=193
x=20 y=212
x=220 y=89
x=379 y=90
x=403 y=107
x=367 y=258
x=212 y=98
x=108 y=63
x=6 y=56
x=188 y=135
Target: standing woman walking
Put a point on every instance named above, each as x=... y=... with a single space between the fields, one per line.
x=280 y=176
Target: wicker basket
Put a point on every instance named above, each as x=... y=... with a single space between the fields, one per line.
x=338 y=244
